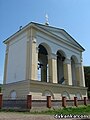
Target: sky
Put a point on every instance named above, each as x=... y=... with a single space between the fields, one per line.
x=71 y=15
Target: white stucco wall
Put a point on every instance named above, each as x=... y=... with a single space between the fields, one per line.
x=16 y=67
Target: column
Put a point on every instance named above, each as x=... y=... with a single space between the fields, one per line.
x=80 y=75
x=83 y=77
x=52 y=64
x=67 y=71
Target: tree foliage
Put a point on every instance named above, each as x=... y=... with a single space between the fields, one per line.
x=87 y=78
x=0 y=88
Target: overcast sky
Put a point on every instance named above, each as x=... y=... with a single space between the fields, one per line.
x=71 y=15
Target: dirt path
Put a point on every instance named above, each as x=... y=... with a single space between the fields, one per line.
x=21 y=116
x=24 y=116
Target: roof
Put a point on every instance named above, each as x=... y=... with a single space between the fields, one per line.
x=49 y=29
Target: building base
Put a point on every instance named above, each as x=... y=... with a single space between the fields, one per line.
x=39 y=90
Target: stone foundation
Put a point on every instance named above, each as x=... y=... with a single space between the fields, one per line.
x=21 y=88
x=39 y=90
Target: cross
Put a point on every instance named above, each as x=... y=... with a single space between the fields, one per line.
x=47 y=23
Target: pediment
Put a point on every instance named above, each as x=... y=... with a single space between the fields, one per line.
x=66 y=37
x=61 y=34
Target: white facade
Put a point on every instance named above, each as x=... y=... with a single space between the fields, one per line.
x=16 y=67
x=40 y=55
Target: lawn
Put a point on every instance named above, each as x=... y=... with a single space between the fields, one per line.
x=81 y=110
x=84 y=110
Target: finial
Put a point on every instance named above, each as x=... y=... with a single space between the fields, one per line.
x=46 y=23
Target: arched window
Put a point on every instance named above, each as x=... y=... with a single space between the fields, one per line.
x=42 y=64
x=39 y=71
x=13 y=94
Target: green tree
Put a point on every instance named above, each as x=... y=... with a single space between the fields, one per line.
x=0 y=89
x=87 y=78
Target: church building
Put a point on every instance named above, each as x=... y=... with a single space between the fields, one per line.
x=42 y=60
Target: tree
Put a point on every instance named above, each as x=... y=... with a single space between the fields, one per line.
x=87 y=78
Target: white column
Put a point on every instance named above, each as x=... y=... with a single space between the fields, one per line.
x=82 y=83
x=80 y=75
x=52 y=64
x=83 y=77
x=67 y=71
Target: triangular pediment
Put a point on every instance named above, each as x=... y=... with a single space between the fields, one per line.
x=61 y=34
x=64 y=36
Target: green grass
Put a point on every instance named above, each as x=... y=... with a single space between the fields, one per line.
x=84 y=110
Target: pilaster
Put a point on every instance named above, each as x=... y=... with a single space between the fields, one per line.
x=34 y=60
x=5 y=65
x=28 y=60
x=32 y=56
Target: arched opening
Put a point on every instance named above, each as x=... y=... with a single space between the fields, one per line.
x=48 y=93
x=73 y=68
x=79 y=96
x=42 y=64
x=66 y=94
x=13 y=95
x=60 y=67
